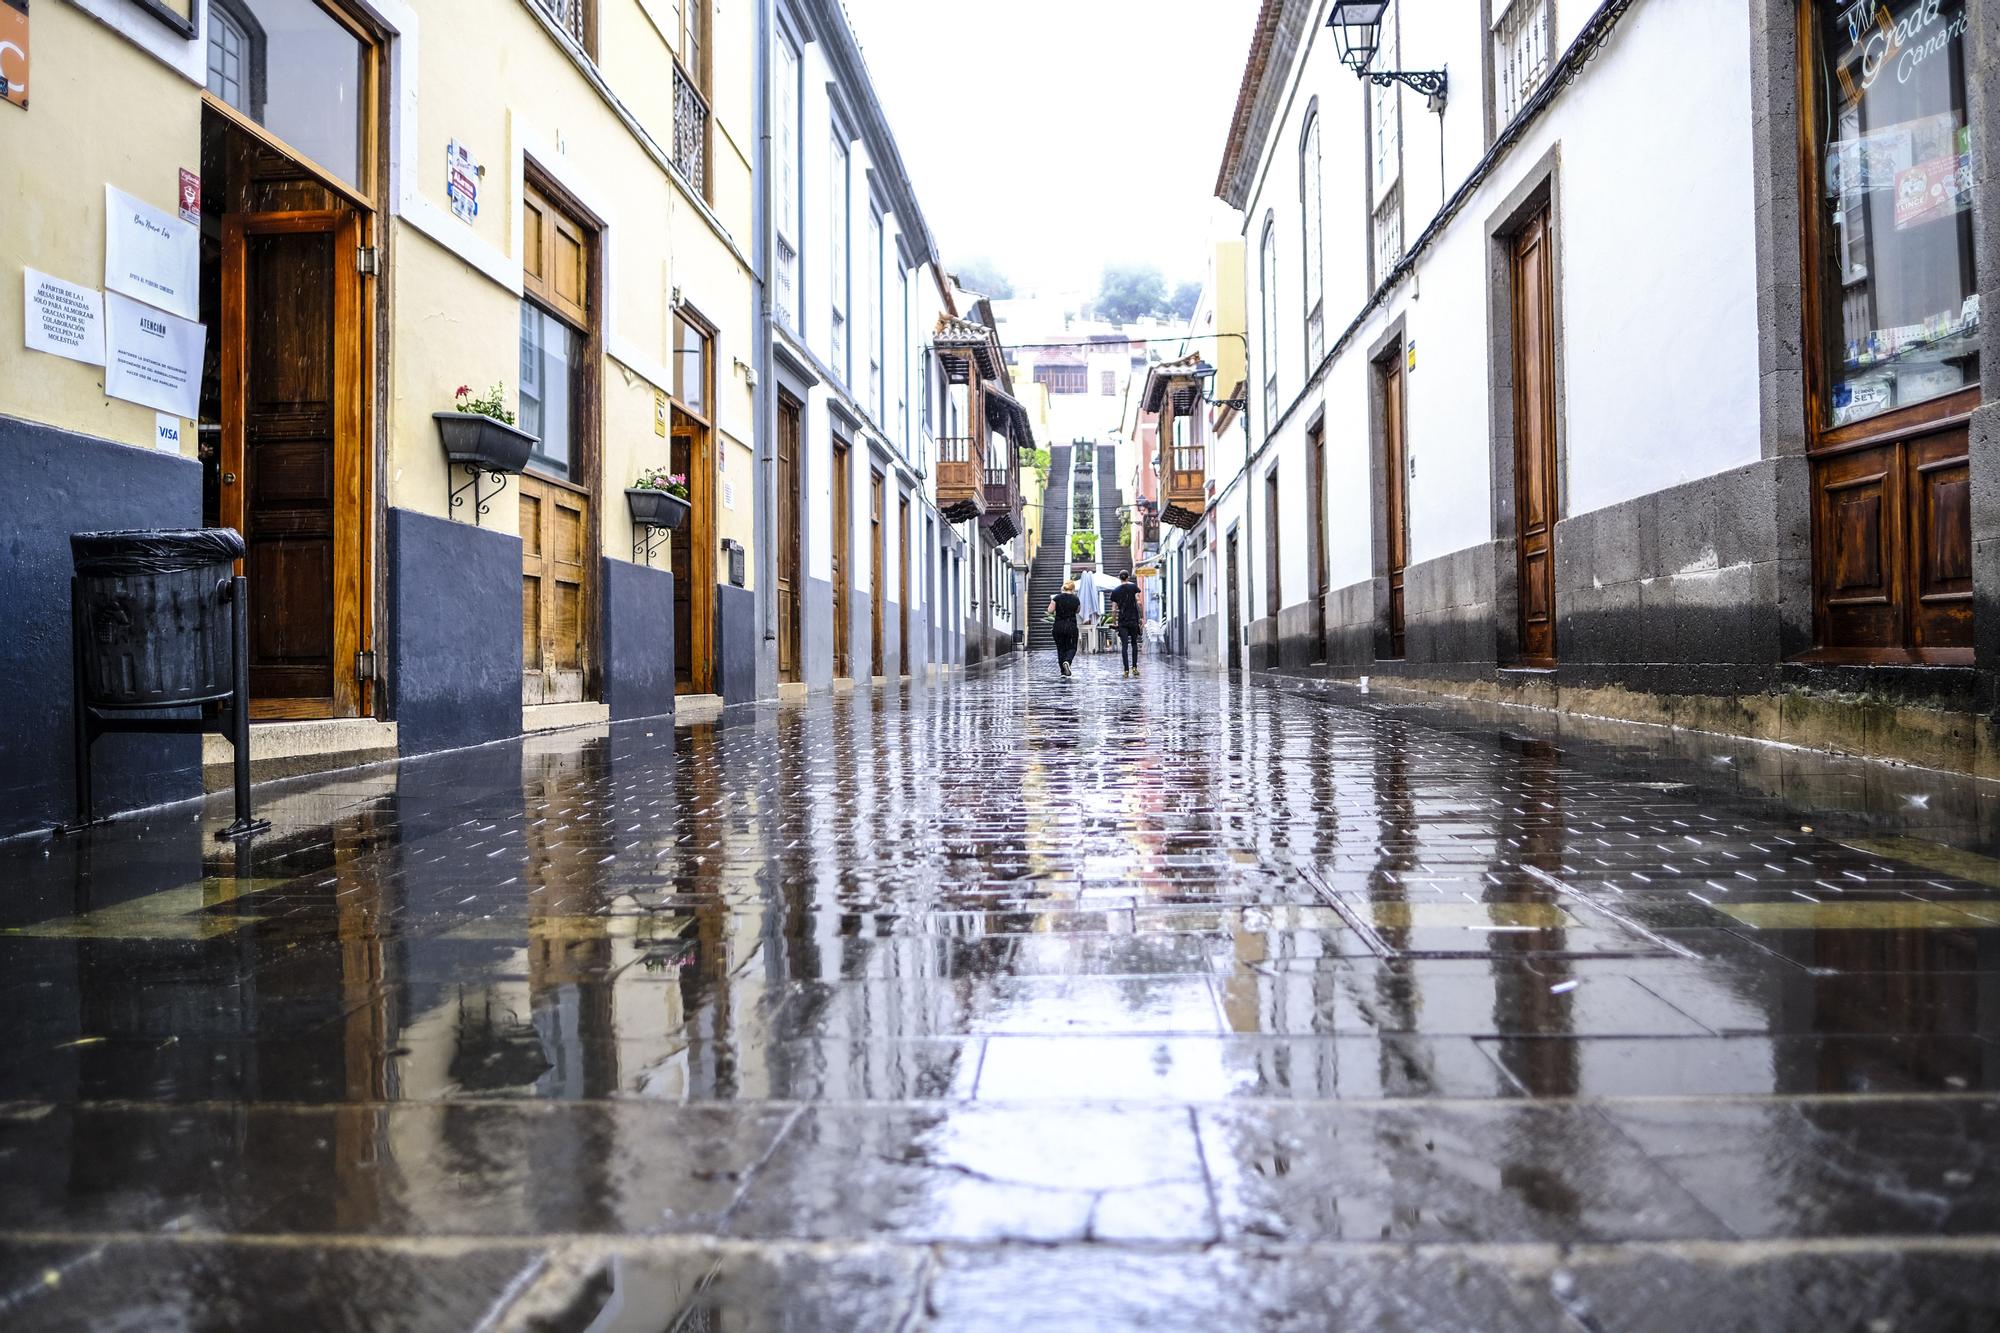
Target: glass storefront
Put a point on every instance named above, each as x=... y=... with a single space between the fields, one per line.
x=1898 y=294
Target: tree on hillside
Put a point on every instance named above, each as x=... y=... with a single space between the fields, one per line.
x=1186 y=297
x=1129 y=292
x=984 y=276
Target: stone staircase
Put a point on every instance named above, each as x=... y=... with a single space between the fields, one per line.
x=1051 y=560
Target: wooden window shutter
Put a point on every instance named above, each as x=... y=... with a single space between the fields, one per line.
x=555 y=258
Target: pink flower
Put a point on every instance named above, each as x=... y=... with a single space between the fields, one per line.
x=463 y=390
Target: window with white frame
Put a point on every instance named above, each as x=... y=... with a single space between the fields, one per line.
x=901 y=347
x=1523 y=31
x=838 y=278
x=871 y=297
x=1314 y=249
x=1385 y=150
x=1267 y=267
x=785 y=129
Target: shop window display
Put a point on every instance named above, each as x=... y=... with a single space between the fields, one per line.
x=1899 y=303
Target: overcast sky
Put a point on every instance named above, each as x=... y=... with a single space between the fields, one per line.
x=1029 y=127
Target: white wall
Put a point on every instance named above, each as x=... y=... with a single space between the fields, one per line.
x=1657 y=343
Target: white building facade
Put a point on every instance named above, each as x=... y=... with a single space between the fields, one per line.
x=862 y=577
x=1596 y=380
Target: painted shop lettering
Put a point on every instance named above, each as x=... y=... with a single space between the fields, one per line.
x=1906 y=39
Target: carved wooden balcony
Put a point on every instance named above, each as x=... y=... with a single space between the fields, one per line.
x=961 y=485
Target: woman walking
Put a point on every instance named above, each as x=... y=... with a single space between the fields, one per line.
x=1064 y=607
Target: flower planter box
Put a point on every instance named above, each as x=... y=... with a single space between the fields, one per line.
x=483 y=442
x=655 y=509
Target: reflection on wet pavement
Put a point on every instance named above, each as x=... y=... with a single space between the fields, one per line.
x=1003 y=1003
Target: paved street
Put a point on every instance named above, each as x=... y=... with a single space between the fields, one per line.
x=1012 y=1002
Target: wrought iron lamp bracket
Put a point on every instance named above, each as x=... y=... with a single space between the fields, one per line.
x=646 y=539
x=482 y=499
x=1431 y=83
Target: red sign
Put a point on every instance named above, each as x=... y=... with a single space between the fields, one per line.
x=190 y=197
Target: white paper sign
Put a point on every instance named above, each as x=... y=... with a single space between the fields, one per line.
x=150 y=255
x=167 y=433
x=152 y=357
x=63 y=318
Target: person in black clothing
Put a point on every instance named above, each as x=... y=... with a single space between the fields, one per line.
x=1064 y=606
x=1131 y=624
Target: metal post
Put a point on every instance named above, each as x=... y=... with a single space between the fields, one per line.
x=239 y=713
x=79 y=704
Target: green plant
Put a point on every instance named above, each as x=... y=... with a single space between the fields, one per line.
x=1125 y=531
x=1038 y=462
x=659 y=479
x=492 y=403
x=1083 y=546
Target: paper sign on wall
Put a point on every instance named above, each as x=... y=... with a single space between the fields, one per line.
x=659 y=414
x=150 y=255
x=190 y=198
x=152 y=357
x=167 y=433
x=63 y=318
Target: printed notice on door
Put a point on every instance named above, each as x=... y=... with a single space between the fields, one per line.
x=151 y=255
x=152 y=357
x=63 y=318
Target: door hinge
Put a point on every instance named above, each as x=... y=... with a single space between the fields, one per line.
x=365 y=260
x=364 y=664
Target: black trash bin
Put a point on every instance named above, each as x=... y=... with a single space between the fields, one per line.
x=160 y=621
x=156 y=628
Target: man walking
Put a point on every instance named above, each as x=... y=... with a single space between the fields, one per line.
x=1131 y=624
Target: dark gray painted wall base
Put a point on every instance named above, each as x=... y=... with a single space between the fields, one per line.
x=455 y=633
x=816 y=635
x=638 y=640
x=735 y=644
x=1680 y=592
x=59 y=483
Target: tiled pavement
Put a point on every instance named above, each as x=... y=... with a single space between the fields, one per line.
x=1014 y=1002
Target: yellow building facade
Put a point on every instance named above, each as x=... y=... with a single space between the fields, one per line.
x=338 y=213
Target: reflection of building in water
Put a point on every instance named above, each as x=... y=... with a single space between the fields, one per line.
x=1532 y=830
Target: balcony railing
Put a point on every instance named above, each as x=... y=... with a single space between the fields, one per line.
x=690 y=131
x=573 y=17
x=956 y=448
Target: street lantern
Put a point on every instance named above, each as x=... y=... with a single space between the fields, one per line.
x=1357 y=33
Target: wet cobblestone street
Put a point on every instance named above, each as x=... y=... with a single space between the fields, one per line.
x=1017 y=1002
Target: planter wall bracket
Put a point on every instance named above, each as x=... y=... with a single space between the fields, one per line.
x=647 y=539
x=482 y=498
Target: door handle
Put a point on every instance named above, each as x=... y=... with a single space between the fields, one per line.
x=229 y=479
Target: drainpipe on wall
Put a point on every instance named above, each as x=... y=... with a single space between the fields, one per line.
x=766 y=510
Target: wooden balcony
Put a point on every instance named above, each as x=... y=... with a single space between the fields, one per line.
x=1174 y=391
x=961 y=477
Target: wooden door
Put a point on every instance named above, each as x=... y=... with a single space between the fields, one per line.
x=291 y=452
x=843 y=513
x=878 y=574
x=694 y=550
x=790 y=576
x=1395 y=505
x=1316 y=537
x=555 y=591
x=1892 y=547
x=903 y=584
x=1274 y=591
x=1535 y=501
x=1234 y=617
